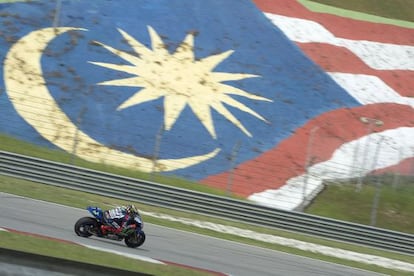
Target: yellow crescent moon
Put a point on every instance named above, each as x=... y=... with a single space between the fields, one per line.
x=31 y=98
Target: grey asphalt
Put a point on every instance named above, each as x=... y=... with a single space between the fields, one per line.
x=167 y=244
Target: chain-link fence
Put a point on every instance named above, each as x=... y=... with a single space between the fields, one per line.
x=297 y=181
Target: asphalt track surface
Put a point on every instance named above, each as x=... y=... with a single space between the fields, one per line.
x=166 y=244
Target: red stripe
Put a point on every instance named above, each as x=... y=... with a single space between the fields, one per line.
x=338 y=59
x=405 y=167
x=273 y=168
x=340 y=26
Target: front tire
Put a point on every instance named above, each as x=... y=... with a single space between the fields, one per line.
x=135 y=240
x=86 y=226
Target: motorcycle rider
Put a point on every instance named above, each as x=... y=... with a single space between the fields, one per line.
x=117 y=218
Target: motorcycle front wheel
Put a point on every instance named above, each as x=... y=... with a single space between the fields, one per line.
x=135 y=240
x=86 y=226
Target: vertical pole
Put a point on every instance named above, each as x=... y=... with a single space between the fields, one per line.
x=75 y=143
x=76 y=136
x=370 y=122
x=396 y=178
x=375 y=203
x=412 y=163
x=157 y=147
x=309 y=161
x=57 y=13
x=233 y=156
x=355 y=167
x=378 y=186
x=364 y=157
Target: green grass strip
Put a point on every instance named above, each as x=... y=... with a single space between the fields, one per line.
x=317 y=7
x=67 y=251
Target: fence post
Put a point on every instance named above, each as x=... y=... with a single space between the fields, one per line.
x=157 y=147
x=233 y=157
x=375 y=203
x=378 y=186
x=308 y=163
x=57 y=13
x=396 y=178
x=76 y=136
x=370 y=122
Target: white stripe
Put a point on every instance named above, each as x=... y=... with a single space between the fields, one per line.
x=301 y=30
x=368 y=89
x=352 y=159
x=379 y=56
x=132 y=256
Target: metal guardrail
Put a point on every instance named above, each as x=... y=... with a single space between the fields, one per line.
x=63 y=175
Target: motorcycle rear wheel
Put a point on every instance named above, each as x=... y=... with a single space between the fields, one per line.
x=135 y=240
x=86 y=226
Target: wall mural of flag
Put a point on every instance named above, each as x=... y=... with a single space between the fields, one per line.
x=240 y=98
x=374 y=63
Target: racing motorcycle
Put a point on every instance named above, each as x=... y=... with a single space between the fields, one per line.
x=133 y=235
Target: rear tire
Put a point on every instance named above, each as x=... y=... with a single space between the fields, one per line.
x=86 y=226
x=135 y=240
